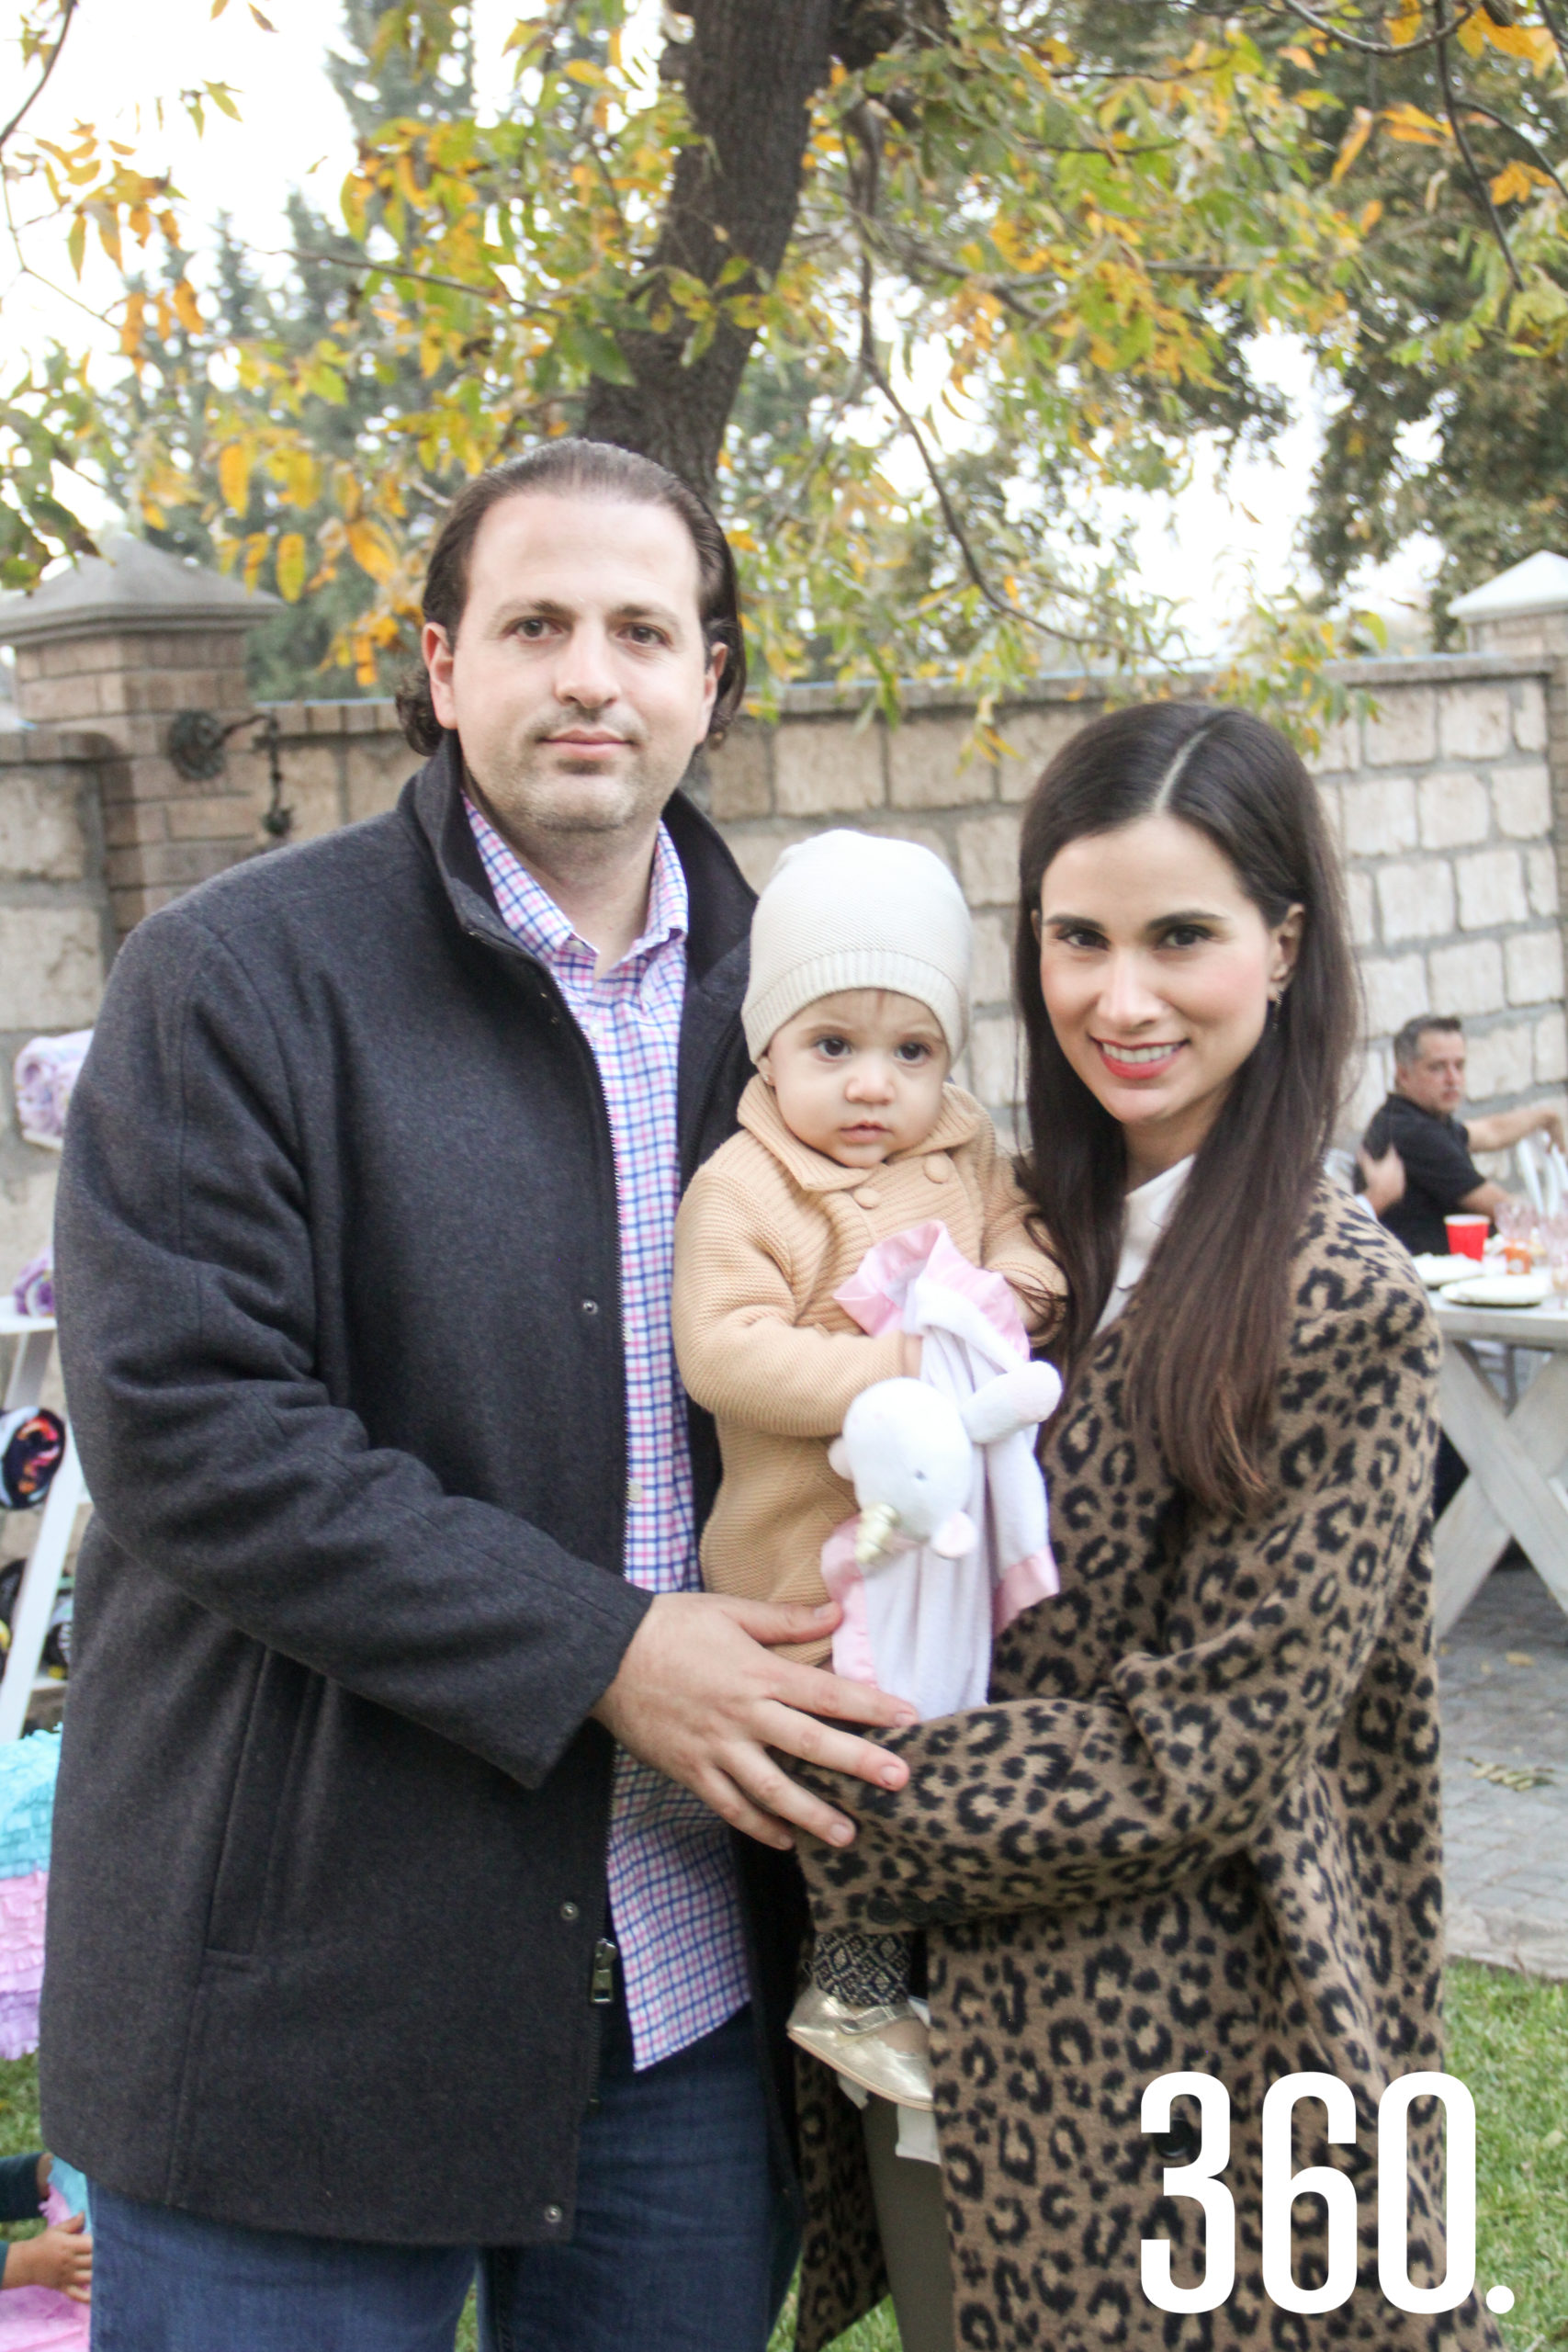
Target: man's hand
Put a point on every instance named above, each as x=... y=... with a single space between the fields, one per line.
x=701 y=1697
x=1383 y=1180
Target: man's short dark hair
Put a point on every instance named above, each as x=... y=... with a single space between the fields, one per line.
x=590 y=469
x=1407 y=1045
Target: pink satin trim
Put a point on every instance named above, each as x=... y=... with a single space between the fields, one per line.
x=874 y=1294
x=845 y=1580
x=1025 y=1582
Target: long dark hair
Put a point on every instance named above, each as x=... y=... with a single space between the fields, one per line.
x=592 y=470
x=1207 y=1337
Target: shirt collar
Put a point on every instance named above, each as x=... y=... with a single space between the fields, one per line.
x=533 y=917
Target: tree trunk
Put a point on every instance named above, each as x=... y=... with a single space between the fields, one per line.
x=751 y=70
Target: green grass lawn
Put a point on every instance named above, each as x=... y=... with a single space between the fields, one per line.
x=1509 y=2040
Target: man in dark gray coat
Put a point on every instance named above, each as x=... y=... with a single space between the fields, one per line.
x=394 y=1909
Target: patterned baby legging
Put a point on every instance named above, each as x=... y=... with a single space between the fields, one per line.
x=863 y=1971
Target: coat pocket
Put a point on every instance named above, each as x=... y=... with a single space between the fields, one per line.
x=257 y=1806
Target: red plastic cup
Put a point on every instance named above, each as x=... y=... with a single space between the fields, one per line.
x=1467 y=1235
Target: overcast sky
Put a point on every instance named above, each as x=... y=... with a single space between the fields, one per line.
x=293 y=133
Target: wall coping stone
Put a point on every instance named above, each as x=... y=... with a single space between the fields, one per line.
x=132 y=588
x=354 y=715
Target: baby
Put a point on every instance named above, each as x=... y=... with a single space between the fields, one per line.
x=850 y=1134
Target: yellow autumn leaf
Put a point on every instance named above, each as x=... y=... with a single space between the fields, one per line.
x=188 y=309
x=371 y=549
x=1512 y=184
x=1416 y=128
x=234 y=476
x=132 y=325
x=1405 y=27
x=1532 y=42
x=1371 y=215
x=255 y=556
x=302 y=479
x=291 y=567
x=1350 y=146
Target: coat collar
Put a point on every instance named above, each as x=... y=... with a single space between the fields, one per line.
x=720 y=902
x=957 y=1123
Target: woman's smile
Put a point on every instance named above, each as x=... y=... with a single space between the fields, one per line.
x=1139 y=1062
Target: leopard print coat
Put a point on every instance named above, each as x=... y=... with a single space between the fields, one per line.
x=1197 y=1826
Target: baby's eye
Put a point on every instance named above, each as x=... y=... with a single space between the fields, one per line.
x=833 y=1048
x=913 y=1052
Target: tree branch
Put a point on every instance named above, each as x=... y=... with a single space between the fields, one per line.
x=1473 y=106
x=37 y=91
x=1376 y=47
x=1477 y=177
x=876 y=374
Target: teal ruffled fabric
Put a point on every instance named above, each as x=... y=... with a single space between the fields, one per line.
x=28 y=1772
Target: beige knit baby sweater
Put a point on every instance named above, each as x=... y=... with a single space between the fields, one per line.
x=766 y=1234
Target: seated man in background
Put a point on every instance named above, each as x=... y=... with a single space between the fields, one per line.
x=1419 y=1119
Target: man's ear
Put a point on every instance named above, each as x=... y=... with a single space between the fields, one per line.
x=436 y=646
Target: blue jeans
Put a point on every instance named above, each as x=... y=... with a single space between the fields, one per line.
x=682 y=2244
x=165 y=2281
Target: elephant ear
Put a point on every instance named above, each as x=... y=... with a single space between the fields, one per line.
x=839 y=1459
x=955 y=1538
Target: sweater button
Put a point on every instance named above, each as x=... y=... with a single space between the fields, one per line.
x=591 y=1306
x=554 y=2216
x=569 y=1911
x=939 y=1168
x=866 y=1196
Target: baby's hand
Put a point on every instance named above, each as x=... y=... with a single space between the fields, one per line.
x=912 y=1346
x=60 y=2258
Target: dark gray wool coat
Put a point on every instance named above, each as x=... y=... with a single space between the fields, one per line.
x=340 y=1317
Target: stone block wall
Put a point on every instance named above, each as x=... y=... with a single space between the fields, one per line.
x=1450 y=805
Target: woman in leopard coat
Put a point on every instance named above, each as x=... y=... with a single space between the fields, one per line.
x=1197 y=1829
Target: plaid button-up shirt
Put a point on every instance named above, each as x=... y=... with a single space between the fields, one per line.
x=674 y=1907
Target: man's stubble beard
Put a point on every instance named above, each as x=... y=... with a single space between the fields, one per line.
x=566 y=801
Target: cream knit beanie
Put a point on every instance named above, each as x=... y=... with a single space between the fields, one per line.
x=857 y=910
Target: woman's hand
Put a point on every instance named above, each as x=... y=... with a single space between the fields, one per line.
x=701 y=1697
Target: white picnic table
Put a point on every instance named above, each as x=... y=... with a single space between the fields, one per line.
x=33 y=1344
x=1517 y=1457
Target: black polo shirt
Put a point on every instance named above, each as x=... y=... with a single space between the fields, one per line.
x=1439 y=1170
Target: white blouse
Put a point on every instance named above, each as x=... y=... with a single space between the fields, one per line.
x=1150 y=1208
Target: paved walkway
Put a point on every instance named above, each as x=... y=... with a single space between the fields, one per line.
x=1503 y=1681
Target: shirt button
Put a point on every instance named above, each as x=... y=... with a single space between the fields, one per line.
x=554 y=2216
x=569 y=1911
x=939 y=1168
x=866 y=1196
x=634 y=1490
x=591 y=1306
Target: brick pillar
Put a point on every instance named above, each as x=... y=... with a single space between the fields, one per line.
x=121 y=644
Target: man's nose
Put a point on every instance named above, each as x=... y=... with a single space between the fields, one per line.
x=586 y=671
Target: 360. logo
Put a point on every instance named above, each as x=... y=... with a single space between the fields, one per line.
x=1199 y=2180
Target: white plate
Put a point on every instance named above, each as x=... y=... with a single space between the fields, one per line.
x=1500 y=1290
x=1437 y=1272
